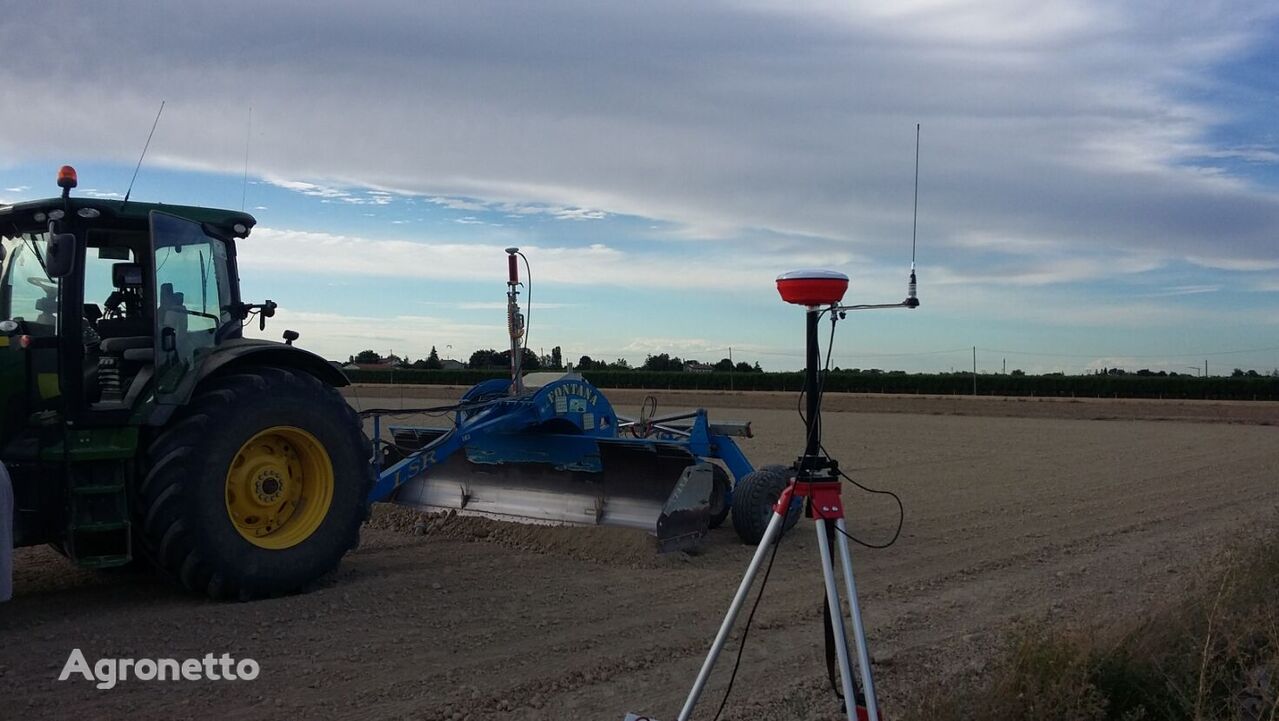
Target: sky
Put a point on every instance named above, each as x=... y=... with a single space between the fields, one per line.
x=1098 y=181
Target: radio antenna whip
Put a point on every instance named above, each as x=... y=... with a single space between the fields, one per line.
x=144 y=153
x=248 y=136
x=911 y=298
x=915 y=220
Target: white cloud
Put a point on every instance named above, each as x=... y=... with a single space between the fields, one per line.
x=596 y=264
x=491 y=305
x=1247 y=153
x=1064 y=142
x=1049 y=271
x=326 y=193
x=1182 y=290
x=311 y=189
x=1063 y=120
x=1245 y=265
x=336 y=336
x=579 y=214
x=705 y=350
x=458 y=203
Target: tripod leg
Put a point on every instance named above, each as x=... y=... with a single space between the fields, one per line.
x=765 y=547
x=836 y=619
x=859 y=631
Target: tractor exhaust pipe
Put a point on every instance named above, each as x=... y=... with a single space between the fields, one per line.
x=514 y=319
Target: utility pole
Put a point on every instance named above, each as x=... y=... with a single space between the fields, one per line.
x=1005 y=366
x=974 y=370
x=1205 y=367
x=731 y=368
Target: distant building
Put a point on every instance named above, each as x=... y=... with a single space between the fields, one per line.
x=383 y=366
x=698 y=368
x=449 y=364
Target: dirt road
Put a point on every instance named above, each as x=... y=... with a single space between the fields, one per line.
x=1009 y=516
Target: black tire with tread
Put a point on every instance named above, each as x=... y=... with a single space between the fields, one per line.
x=753 y=499
x=720 y=488
x=186 y=527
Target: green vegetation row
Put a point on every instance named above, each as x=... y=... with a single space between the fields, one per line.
x=1101 y=386
x=1210 y=655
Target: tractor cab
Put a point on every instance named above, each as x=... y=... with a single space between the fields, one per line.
x=140 y=426
x=112 y=303
x=112 y=315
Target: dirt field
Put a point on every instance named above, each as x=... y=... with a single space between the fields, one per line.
x=1015 y=510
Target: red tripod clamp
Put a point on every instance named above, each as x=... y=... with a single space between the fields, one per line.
x=825 y=501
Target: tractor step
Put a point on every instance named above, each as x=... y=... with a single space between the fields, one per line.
x=107 y=488
x=104 y=561
x=101 y=545
x=99 y=533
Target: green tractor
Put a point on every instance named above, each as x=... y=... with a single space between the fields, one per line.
x=141 y=427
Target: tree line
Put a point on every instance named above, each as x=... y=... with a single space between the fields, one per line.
x=489 y=358
x=874 y=380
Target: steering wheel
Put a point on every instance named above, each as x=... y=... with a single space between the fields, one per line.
x=44 y=284
x=188 y=311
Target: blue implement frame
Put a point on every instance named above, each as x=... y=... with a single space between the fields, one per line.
x=560 y=424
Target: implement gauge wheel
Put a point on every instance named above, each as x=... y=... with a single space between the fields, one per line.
x=258 y=487
x=753 y=500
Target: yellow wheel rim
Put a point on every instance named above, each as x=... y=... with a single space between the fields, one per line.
x=279 y=487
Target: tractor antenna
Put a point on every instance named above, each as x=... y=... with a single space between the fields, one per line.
x=915 y=220
x=248 y=135
x=144 y=153
x=911 y=299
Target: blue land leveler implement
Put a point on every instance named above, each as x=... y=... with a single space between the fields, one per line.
x=549 y=448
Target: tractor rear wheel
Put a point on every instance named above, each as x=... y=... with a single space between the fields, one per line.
x=753 y=499
x=258 y=487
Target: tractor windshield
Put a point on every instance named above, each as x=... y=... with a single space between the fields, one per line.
x=27 y=293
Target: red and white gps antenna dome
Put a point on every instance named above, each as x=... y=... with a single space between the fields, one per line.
x=812 y=287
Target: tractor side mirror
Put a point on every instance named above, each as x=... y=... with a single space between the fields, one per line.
x=59 y=254
x=268 y=311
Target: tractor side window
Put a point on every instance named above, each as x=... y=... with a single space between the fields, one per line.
x=193 y=293
x=27 y=293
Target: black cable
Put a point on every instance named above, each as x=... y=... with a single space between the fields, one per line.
x=747 y=628
x=407 y=451
x=436 y=410
x=901 y=508
x=799 y=402
x=901 y=513
x=528 y=301
x=640 y=429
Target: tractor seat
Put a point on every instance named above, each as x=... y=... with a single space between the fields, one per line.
x=138 y=348
x=117 y=346
x=123 y=327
